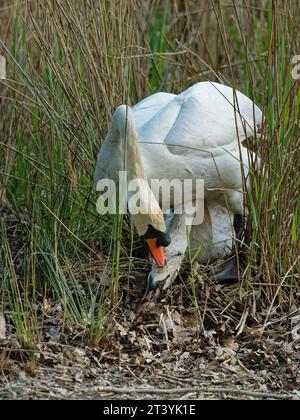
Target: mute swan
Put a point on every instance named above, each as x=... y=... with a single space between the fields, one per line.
x=197 y=134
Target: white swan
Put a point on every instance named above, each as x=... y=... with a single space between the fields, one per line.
x=195 y=135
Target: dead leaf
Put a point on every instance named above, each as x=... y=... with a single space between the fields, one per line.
x=121 y=329
x=148 y=357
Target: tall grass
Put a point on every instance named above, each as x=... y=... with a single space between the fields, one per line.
x=70 y=64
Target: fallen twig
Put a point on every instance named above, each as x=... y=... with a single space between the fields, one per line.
x=197 y=390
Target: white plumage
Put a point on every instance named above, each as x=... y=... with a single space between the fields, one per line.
x=197 y=134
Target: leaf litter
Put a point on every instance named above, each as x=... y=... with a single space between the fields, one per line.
x=174 y=345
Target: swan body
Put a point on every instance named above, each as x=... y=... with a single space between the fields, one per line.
x=197 y=134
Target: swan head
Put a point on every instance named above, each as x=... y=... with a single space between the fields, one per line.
x=152 y=230
x=160 y=278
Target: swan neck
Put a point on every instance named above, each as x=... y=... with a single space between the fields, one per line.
x=133 y=160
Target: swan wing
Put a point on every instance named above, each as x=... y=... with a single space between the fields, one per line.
x=208 y=117
x=145 y=110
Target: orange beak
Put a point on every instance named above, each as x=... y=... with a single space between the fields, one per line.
x=157 y=252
